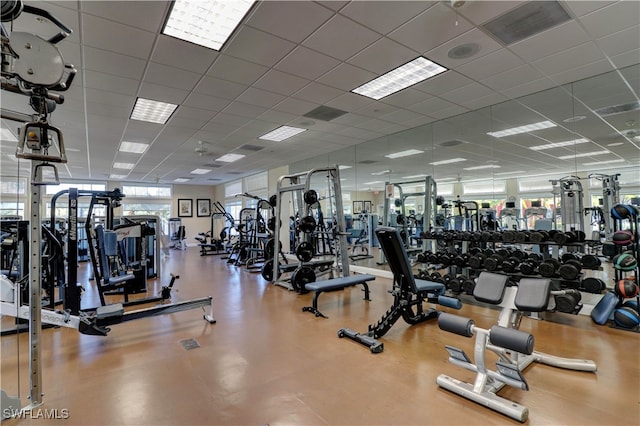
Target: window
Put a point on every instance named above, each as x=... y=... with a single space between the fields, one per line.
x=146 y=191
x=12 y=209
x=546 y=202
x=231 y=189
x=485 y=187
x=54 y=189
x=162 y=210
x=445 y=189
x=13 y=187
x=537 y=184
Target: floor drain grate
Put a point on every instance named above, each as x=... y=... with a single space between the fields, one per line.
x=189 y=344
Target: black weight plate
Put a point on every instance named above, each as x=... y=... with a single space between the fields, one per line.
x=305 y=251
x=301 y=277
x=270 y=248
x=273 y=200
x=568 y=272
x=267 y=270
x=307 y=224
x=567 y=256
x=593 y=285
x=590 y=261
x=311 y=197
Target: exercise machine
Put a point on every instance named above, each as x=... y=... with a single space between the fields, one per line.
x=569 y=196
x=409 y=294
x=610 y=197
x=218 y=239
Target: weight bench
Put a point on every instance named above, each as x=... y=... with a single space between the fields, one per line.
x=336 y=284
x=530 y=295
x=408 y=294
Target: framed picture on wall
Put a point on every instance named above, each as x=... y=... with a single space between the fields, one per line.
x=185 y=207
x=357 y=207
x=204 y=207
x=367 y=206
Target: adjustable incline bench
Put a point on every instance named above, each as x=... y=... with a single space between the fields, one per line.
x=407 y=292
x=335 y=284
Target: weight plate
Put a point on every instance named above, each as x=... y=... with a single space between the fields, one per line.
x=301 y=277
x=307 y=224
x=310 y=196
x=305 y=251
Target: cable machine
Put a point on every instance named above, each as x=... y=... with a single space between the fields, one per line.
x=610 y=197
x=568 y=194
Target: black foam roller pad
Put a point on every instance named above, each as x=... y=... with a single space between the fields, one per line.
x=455 y=324
x=512 y=339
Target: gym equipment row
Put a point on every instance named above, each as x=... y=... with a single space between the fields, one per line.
x=217 y=239
x=518 y=237
x=513 y=347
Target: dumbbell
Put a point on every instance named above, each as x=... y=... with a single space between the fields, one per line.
x=510 y=264
x=538 y=236
x=548 y=268
x=445 y=258
x=455 y=285
x=570 y=270
x=590 y=261
x=593 y=285
x=493 y=262
x=422 y=257
x=529 y=266
x=476 y=261
x=508 y=236
x=569 y=237
x=468 y=285
x=568 y=301
x=461 y=260
x=521 y=237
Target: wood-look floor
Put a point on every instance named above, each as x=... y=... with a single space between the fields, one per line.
x=267 y=362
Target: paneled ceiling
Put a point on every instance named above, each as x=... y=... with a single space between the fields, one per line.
x=290 y=57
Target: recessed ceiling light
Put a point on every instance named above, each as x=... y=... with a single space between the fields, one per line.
x=597 y=163
x=406 y=153
x=7 y=136
x=200 y=171
x=574 y=119
x=342 y=167
x=206 y=23
x=152 y=111
x=400 y=78
x=384 y=172
x=523 y=129
x=282 y=133
x=584 y=154
x=486 y=166
x=449 y=161
x=375 y=182
x=126 y=166
x=559 y=144
x=230 y=158
x=133 y=147
x=118 y=177
x=615 y=144
x=181 y=180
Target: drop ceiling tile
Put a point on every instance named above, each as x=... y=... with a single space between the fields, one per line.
x=231 y=119
x=260 y=97
x=569 y=59
x=450 y=80
x=182 y=54
x=280 y=82
x=552 y=41
x=346 y=77
x=130 y=15
x=349 y=102
x=467 y=93
x=376 y=109
x=220 y=88
x=584 y=71
x=511 y=78
x=400 y=116
x=111 y=83
x=318 y=93
x=624 y=13
x=448 y=112
x=109 y=98
x=423 y=119
x=108 y=35
x=211 y=103
x=236 y=70
x=580 y=8
x=626 y=59
x=306 y=63
x=430 y=106
x=162 y=93
x=620 y=42
x=277 y=117
x=194 y=113
x=302 y=18
x=258 y=47
x=351 y=119
x=113 y=63
x=475 y=104
x=171 y=77
x=376 y=125
x=431 y=28
x=295 y=106
x=244 y=109
x=333 y=5
x=405 y=97
x=529 y=87
x=384 y=16
x=95 y=110
x=491 y=64
x=383 y=56
x=340 y=38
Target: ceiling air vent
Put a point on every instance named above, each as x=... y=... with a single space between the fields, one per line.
x=248 y=147
x=524 y=21
x=617 y=109
x=212 y=165
x=325 y=113
x=448 y=144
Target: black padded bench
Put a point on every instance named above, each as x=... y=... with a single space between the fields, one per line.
x=335 y=284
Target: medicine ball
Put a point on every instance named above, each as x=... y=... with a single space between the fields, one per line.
x=622 y=238
x=625 y=261
x=626 y=317
x=623 y=211
x=626 y=289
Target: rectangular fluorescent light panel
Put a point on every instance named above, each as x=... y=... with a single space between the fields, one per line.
x=282 y=133
x=181 y=180
x=152 y=111
x=384 y=172
x=449 y=161
x=206 y=23
x=486 y=166
x=230 y=158
x=523 y=129
x=126 y=166
x=133 y=147
x=372 y=183
x=343 y=167
x=200 y=171
x=118 y=177
x=404 y=153
x=597 y=163
x=400 y=78
x=559 y=144
x=585 y=154
x=413 y=177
